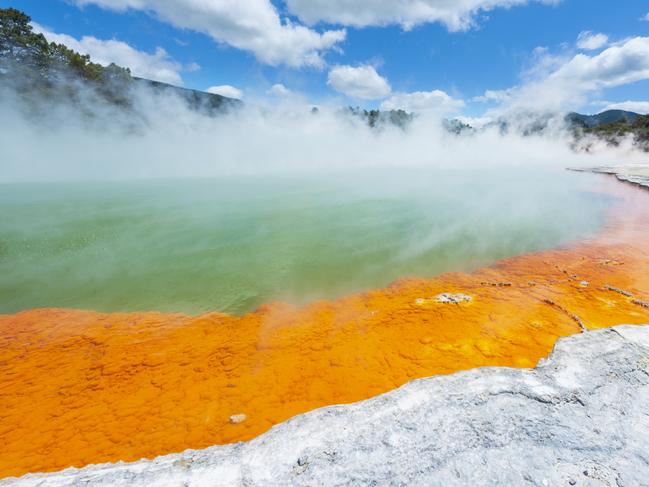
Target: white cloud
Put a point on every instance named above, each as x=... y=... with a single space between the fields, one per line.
x=564 y=84
x=630 y=106
x=226 y=90
x=435 y=101
x=455 y=14
x=590 y=41
x=494 y=96
x=362 y=82
x=279 y=90
x=157 y=66
x=250 y=25
x=645 y=18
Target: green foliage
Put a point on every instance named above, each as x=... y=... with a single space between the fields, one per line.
x=637 y=128
x=28 y=54
x=378 y=119
x=19 y=43
x=641 y=129
x=16 y=33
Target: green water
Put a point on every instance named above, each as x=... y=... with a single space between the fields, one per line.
x=231 y=244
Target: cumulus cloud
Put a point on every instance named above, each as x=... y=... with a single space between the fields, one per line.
x=436 y=101
x=226 y=90
x=629 y=106
x=279 y=90
x=251 y=25
x=156 y=66
x=362 y=82
x=645 y=17
x=455 y=14
x=565 y=84
x=590 y=41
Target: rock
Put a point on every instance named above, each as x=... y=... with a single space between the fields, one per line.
x=497 y=284
x=581 y=414
x=238 y=418
x=448 y=298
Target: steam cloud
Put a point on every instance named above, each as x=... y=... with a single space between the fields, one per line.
x=335 y=206
x=159 y=136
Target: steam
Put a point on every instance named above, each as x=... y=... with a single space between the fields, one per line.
x=159 y=136
x=280 y=202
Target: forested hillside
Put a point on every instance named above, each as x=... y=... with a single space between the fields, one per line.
x=36 y=70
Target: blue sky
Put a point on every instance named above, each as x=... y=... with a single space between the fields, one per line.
x=444 y=59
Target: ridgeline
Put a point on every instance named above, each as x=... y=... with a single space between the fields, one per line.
x=41 y=71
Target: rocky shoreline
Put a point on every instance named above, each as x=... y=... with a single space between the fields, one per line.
x=579 y=418
x=634 y=174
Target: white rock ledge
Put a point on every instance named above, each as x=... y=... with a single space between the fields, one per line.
x=637 y=174
x=580 y=418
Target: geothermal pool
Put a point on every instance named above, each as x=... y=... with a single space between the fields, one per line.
x=231 y=244
x=82 y=387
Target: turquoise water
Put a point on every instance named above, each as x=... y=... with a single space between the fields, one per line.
x=231 y=244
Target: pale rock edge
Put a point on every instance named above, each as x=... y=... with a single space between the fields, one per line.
x=637 y=174
x=580 y=418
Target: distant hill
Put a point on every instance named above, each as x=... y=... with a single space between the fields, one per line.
x=612 y=126
x=607 y=117
x=196 y=100
x=38 y=70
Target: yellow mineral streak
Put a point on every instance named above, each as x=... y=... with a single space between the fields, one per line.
x=80 y=387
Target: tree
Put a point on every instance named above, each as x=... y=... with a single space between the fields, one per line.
x=28 y=54
x=19 y=44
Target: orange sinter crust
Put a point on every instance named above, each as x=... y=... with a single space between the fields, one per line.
x=79 y=387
